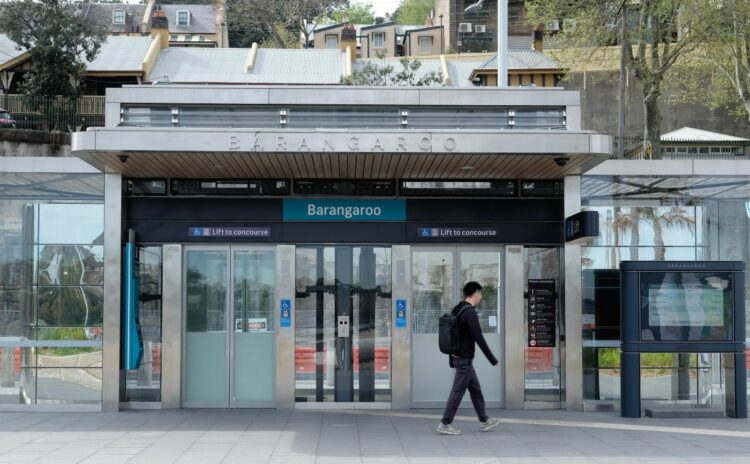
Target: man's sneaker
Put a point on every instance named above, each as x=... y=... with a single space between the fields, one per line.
x=488 y=425
x=444 y=429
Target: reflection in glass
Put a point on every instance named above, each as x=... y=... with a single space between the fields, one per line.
x=353 y=283
x=51 y=275
x=205 y=373
x=254 y=378
x=144 y=383
x=542 y=370
x=484 y=267
x=432 y=287
x=71 y=306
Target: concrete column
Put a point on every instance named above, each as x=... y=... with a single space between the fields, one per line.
x=572 y=305
x=171 y=317
x=514 y=328
x=112 y=285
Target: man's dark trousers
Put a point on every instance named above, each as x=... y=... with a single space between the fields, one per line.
x=465 y=378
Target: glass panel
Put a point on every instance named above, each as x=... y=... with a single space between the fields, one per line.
x=461 y=118
x=432 y=288
x=17 y=312
x=542 y=371
x=358 y=118
x=144 y=384
x=205 y=374
x=71 y=306
x=69 y=357
x=71 y=224
x=147 y=117
x=68 y=386
x=484 y=267
x=71 y=265
x=16 y=380
x=531 y=118
x=196 y=116
x=254 y=362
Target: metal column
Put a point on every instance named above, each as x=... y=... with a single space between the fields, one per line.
x=285 y=256
x=514 y=328
x=112 y=290
x=572 y=305
x=171 y=347
x=401 y=336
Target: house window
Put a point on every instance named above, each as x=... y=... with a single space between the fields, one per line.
x=118 y=16
x=425 y=44
x=183 y=18
x=378 y=39
x=332 y=41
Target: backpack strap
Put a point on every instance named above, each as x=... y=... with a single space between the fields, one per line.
x=463 y=308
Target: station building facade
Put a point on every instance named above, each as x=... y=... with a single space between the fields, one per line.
x=294 y=247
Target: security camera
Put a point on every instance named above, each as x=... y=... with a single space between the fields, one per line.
x=123 y=158
x=562 y=161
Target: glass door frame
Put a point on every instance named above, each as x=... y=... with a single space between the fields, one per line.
x=229 y=250
x=456 y=249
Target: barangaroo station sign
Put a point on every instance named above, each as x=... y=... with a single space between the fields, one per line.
x=342 y=142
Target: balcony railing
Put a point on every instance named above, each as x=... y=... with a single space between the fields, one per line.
x=55 y=113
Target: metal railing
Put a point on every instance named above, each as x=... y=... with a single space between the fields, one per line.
x=55 y=113
x=635 y=148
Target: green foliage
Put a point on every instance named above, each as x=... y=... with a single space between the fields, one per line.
x=413 y=11
x=372 y=74
x=659 y=33
x=60 y=43
x=359 y=13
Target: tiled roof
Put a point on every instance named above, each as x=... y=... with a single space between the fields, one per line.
x=101 y=15
x=202 y=19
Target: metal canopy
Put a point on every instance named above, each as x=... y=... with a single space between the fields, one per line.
x=664 y=188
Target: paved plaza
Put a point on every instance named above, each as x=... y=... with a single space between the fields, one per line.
x=269 y=436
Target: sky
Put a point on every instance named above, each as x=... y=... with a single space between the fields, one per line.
x=382 y=7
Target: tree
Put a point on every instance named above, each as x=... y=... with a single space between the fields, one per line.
x=359 y=13
x=59 y=40
x=659 y=33
x=413 y=11
x=720 y=72
x=273 y=17
x=372 y=74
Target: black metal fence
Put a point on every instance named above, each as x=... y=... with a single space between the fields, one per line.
x=55 y=113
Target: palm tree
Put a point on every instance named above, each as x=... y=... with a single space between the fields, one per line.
x=628 y=222
x=674 y=217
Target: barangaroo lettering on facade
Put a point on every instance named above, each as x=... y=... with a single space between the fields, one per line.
x=340 y=143
x=348 y=212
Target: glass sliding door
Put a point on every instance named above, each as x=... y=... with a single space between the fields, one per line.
x=438 y=276
x=343 y=324
x=206 y=370
x=229 y=355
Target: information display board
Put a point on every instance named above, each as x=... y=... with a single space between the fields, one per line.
x=686 y=306
x=542 y=313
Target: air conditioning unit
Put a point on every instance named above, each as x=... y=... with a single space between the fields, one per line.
x=569 y=25
x=480 y=29
x=553 y=25
x=464 y=27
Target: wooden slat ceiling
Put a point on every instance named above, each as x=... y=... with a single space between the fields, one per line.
x=350 y=166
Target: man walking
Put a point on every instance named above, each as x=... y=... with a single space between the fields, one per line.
x=470 y=333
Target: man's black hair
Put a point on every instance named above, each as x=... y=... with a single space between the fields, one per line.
x=471 y=288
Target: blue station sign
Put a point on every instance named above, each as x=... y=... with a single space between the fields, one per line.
x=344 y=210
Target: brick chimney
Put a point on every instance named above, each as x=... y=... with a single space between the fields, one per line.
x=349 y=40
x=160 y=26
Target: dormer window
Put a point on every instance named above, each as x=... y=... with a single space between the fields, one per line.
x=118 y=16
x=183 y=17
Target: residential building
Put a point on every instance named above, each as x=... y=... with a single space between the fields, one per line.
x=189 y=25
x=386 y=40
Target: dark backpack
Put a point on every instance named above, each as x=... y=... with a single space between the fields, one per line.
x=448 y=333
